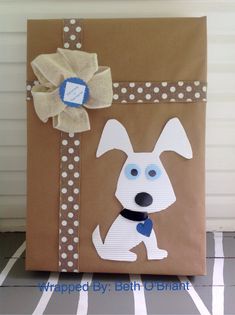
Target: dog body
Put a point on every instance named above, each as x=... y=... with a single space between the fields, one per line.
x=143 y=187
x=125 y=231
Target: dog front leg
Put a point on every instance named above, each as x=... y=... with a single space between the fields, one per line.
x=153 y=252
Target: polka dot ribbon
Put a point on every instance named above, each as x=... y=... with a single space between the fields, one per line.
x=159 y=92
x=72 y=34
x=123 y=92
x=70 y=175
x=153 y=92
x=69 y=202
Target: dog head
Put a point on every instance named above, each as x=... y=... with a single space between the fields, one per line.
x=143 y=184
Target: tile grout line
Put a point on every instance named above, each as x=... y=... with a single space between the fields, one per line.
x=195 y=297
x=11 y=262
x=82 y=308
x=218 y=276
x=47 y=293
x=140 y=307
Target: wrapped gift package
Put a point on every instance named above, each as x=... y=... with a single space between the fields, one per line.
x=116 y=145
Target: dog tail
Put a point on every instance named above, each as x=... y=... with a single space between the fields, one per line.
x=97 y=241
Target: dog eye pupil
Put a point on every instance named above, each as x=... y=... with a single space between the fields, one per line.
x=152 y=173
x=134 y=172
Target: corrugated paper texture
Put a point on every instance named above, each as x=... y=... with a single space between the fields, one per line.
x=136 y=50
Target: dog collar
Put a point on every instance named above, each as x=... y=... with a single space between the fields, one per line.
x=134 y=215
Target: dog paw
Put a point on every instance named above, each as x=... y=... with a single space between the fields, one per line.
x=159 y=254
x=132 y=256
x=121 y=256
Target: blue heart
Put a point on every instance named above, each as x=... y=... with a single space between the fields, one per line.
x=145 y=228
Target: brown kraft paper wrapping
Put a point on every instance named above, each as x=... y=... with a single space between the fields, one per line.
x=136 y=50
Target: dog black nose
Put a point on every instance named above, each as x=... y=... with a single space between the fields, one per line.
x=143 y=199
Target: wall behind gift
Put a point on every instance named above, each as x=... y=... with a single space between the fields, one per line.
x=220 y=150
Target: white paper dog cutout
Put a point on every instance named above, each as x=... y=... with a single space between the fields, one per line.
x=143 y=187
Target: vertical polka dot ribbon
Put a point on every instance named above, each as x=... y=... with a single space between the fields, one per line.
x=70 y=175
x=69 y=202
x=72 y=34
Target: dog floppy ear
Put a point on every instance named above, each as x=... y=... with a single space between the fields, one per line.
x=114 y=136
x=174 y=138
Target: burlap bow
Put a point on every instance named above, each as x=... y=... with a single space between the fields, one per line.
x=51 y=70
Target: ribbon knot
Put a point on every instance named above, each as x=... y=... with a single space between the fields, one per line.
x=70 y=81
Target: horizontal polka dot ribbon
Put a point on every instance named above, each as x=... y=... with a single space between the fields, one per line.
x=153 y=92
x=159 y=92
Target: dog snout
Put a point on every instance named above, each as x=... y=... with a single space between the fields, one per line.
x=143 y=199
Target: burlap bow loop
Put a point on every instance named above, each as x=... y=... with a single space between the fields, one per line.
x=70 y=80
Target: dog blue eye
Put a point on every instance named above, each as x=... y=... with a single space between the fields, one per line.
x=132 y=171
x=153 y=172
